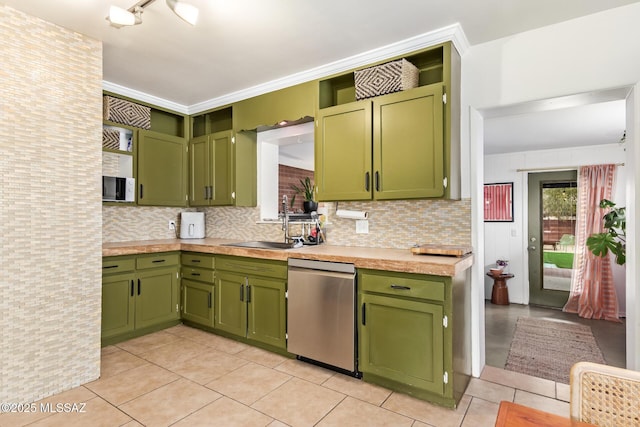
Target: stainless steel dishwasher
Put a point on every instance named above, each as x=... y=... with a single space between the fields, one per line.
x=321 y=323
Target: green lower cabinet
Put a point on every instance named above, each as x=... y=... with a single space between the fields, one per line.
x=266 y=311
x=414 y=333
x=118 y=304
x=137 y=297
x=231 y=308
x=197 y=302
x=249 y=303
x=402 y=340
x=157 y=297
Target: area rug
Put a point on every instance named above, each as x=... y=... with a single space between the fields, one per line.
x=548 y=348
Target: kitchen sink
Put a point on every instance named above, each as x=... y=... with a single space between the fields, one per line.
x=261 y=245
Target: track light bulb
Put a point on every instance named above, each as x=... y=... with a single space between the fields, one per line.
x=185 y=11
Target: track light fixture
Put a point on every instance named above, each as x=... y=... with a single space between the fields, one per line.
x=119 y=17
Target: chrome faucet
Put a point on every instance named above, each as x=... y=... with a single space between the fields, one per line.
x=285 y=218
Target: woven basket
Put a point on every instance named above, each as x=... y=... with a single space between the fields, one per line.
x=110 y=139
x=386 y=78
x=121 y=111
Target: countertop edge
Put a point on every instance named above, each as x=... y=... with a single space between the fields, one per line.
x=398 y=260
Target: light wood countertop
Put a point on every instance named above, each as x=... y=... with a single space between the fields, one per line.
x=401 y=260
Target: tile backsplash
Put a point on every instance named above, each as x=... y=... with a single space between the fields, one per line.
x=392 y=224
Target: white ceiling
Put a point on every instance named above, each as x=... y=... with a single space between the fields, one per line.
x=240 y=44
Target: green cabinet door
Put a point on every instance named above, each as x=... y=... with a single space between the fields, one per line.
x=266 y=315
x=118 y=304
x=197 y=302
x=200 y=177
x=157 y=296
x=408 y=146
x=343 y=152
x=402 y=340
x=222 y=173
x=230 y=305
x=162 y=169
x=211 y=170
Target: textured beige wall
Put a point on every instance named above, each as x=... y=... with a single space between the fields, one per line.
x=50 y=208
x=392 y=224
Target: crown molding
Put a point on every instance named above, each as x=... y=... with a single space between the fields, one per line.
x=453 y=33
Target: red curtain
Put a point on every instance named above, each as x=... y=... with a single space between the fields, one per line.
x=593 y=293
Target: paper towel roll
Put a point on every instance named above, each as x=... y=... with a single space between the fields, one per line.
x=342 y=213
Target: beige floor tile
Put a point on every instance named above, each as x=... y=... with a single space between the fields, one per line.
x=216 y=341
x=249 y=383
x=355 y=413
x=147 y=342
x=306 y=371
x=209 y=366
x=563 y=392
x=38 y=410
x=170 y=403
x=489 y=391
x=118 y=361
x=225 y=412
x=128 y=385
x=427 y=412
x=108 y=349
x=519 y=381
x=262 y=357
x=543 y=403
x=132 y=423
x=481 y=413
x=276 y=423
x=175 y=353
x=358 y=389
x=299 y=402
x=420 y=424
x=96 y=413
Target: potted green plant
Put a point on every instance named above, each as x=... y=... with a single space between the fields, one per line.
x=307 y=189
x=615 y=238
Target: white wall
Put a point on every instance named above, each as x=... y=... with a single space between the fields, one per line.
x=508 y=240
x=587 y=54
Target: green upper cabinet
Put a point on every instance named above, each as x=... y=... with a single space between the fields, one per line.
x=162 y=169
x=403 y=145
x=292 y=103
x=343 y=152
x=407 y=144
x=223 y=163
x=211 y=169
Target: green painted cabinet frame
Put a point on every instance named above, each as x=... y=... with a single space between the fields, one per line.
x=197 y=302
x=140 y=294
x=211 y=169
x=162 y=169
x=387 y=148
x=250 y=299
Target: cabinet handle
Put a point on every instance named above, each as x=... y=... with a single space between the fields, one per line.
x=195 y=274
x=377 y=181
x=401 y=287
x=195 y=260
x=158 y=260
x=110 y=266
x=209 y=301
x=241 y=292
x=206 y=192
x=248 y=293
x=366 y=181
x=141 y=190
x=132 y=287
x=138 y=286
x=364 y=314
x=211 y=192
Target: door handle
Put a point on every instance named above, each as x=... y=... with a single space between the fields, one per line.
x=138 y=286
x=377 y=181
x=366 y=181
x=131 y=287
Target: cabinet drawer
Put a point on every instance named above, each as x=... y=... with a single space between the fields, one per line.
x=197 y=260
x=252 y=266
x=399 y=284
x=199 y=274
x=157 y=260
x=113 y=265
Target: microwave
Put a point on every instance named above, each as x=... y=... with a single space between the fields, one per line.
x=117 y=189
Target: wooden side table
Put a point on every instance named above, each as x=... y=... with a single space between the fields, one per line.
x=500 y=292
